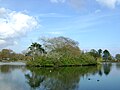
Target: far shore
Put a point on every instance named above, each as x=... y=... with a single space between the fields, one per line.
x=23 y=63
x=12 y=63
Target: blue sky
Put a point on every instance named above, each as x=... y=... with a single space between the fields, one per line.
x=93 y=23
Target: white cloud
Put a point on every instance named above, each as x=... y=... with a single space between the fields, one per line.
x=53 y=15
x=77 y=4
x=57 y=1
x=109 y=3
x=98 y=11
x=55 y=33
x=14 y=25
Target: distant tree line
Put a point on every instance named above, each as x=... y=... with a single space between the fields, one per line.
x=104 y=55
x=10 y=55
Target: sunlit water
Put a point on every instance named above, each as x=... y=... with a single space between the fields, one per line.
x=19 y=77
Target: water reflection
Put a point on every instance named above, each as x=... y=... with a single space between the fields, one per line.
x=14 y=77
x=34 y=80
x=118 y=66
x=57 y=79
x=107 y=67
x=8 y=68
x=100 y=72
x=5 y=69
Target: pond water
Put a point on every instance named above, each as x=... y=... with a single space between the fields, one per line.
x=19 y=77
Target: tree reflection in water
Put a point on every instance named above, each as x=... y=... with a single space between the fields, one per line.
x=107 y=68
x=66 y=78
x=8 y=68
x=34 y=80
x=118 y=65
x=5 y=69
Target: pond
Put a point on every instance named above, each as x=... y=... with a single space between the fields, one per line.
x=19 y=77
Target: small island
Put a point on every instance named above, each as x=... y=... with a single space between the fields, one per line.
x=57 y=52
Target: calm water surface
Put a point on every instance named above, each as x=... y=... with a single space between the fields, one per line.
x=19 y=77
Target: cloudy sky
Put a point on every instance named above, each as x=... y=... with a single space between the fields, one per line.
x=93 y=23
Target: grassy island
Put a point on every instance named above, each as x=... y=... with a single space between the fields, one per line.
x=59 y=52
